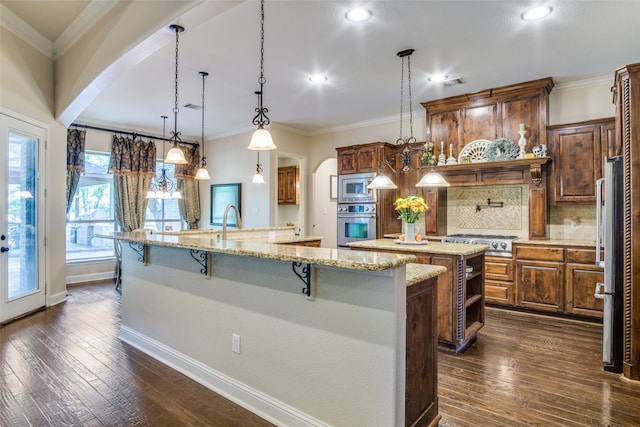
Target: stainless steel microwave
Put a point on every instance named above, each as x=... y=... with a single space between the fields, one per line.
x=353 y=188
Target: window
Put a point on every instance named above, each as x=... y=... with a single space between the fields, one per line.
x=92 y=210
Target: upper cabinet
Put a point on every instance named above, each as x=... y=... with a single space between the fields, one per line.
x=490 y=114
x=359 y=158
x=577 y=151
x=288 y=185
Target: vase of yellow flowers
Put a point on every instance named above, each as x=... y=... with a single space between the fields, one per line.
x=409 y=210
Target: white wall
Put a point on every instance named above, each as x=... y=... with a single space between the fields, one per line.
x=581 y=100
x=26 y=85
x=323 y=211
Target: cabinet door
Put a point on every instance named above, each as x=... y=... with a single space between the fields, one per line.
x=282 y=185
x=368 y=158
x=522 y=110
x=347 y=160
x=576 y=163
x=539 y=285
x=610 y=142
x=291 y=193
x=479 y=122
x=580 y=288
x=447 y=293
x=444 y=127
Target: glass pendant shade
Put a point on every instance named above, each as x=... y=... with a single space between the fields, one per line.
x=261 y=140
x=202 y=173
x=382 y=182
x=432 y=179
x=176 y=195
x=175 y=156
x=151 y=194
x=257 y=178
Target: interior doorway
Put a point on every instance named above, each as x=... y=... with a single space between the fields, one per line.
x=290 y=211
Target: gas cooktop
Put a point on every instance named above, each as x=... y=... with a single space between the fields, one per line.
x=498 y=245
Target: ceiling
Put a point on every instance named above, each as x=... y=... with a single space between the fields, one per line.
x=484 y=43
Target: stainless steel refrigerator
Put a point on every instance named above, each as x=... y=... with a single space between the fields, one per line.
x=609 y=238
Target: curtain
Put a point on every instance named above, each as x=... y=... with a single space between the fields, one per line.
x=75 y=161
x=188 y=186
x=133 y=164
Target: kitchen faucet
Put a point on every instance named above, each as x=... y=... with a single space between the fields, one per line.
x=224 y=219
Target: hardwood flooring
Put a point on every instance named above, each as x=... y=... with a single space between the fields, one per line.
x=66 y=366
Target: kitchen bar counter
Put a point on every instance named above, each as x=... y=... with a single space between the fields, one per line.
x=439 y=248
x=315 y=315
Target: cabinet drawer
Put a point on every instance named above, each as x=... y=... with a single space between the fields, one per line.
x=581 y=256
x=540 y=253
x=497 y=292
x=498 y=268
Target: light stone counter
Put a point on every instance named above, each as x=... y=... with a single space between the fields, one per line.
x=417 y=273
x=429 y=247
x=557 y=242
x=209 y=241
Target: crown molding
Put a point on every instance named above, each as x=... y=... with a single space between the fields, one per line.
x=26 y=32
x=90 y=16
x=584 y=83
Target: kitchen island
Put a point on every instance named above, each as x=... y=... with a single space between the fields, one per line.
x=460 y=290
x=299 y=335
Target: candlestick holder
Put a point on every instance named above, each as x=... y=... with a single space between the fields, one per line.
x=522 y=143
x=451 y=160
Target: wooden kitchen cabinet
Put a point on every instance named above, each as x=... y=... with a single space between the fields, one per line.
x=288 y=185
x=540 y=278
x=581 y=277
x=499 y=274
x=359 y=158
x=490 y=114
x=577 y=152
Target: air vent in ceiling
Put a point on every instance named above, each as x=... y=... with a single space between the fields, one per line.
x=192 y=106
x=453 y=82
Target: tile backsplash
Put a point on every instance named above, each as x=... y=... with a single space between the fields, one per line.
x=575 y=222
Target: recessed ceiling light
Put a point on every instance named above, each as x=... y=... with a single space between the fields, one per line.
x=437 y=78
x=536 y=13
x=318 y=78
x=358 y=14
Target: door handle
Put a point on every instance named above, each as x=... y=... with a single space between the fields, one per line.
x=4 y=249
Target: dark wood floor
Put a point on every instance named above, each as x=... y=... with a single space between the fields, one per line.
x=66 y=366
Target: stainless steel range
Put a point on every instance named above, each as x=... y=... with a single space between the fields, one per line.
x=498 y=245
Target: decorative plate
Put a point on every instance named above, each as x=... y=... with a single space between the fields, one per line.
x=474 y=151
x=402 y=242
x=501 y=149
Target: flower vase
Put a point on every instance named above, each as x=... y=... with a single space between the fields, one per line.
x=409 y=229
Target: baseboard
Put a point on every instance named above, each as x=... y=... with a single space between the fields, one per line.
x=253 y=400
x=91 y=277
x=56 y=298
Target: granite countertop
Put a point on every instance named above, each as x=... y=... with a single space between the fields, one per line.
x=416 y=273
x=429 y=247
x=252 y=247
x=557 y=242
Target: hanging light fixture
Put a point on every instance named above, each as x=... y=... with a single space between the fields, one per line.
x=261 y=138
x=203 y=173
x=163 y=187
x=432 y=179
x=175 y=154
x=382 y=181
x=258 y=178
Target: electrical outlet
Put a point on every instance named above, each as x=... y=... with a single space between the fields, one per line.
x=235 y=343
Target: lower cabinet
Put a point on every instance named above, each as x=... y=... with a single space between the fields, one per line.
x=498 y=280
x=421 y=388
x=549 y=279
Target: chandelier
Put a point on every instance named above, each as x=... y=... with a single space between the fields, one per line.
x=406 y=144
x=162 y=187
x=175 y=154
x=203 y=173
x=261 y=138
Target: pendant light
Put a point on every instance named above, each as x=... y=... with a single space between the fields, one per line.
x=382 y=181
x=163 y=187
x=175 y=154
x=261 y=138
x=432 y=179
x=258 y=178
x=203 y=173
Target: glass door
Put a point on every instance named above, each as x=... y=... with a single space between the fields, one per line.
x=21 y=278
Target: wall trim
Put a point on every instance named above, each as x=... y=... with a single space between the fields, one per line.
x=91 y=277
x=249 y=398
x=56 y=299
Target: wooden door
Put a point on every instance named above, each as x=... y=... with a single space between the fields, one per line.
x=539 y=285
x=580 y=290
